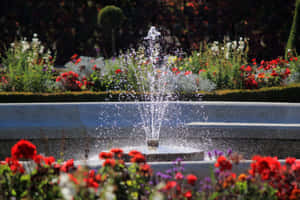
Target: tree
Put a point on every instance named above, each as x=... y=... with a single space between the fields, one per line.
x=110 y=18
x=291 y=44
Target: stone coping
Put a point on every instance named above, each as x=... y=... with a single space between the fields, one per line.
x=200 y=168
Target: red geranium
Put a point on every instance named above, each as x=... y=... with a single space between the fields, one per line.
x=14 y=165
x=105 y=155
x=187 y=73
x=138 y=158
x=77 y=61
x=191 y=179
x=133 y=153
x=49 y=160
x=170 y=185
x=74 y=56
x=145 y=168
x=188 y=194
x=178 y=176
x=109 y=162
x=290 y=160
x=67 y=166
x=23 y=149
x=223 y=163
x=117 y=151
x=118 y=71
x=266 y=167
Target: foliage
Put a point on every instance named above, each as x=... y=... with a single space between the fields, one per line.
x=190 y=21
x=219 y=62
x=291 y=43
x=44 y=178
x=111 y=18
x=27 y=67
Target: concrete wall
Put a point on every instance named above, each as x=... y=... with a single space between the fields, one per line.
x=73 y=120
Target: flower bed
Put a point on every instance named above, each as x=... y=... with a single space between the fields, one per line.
x=50 y=179
x=27 y=68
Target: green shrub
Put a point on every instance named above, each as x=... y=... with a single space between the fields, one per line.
x=110 y=18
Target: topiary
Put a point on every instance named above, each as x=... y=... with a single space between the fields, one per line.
x=291 y=44
x=111 y=18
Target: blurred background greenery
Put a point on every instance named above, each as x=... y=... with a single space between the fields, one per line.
x=70 y=26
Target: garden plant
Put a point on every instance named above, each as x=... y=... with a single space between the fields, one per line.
x=29 y=175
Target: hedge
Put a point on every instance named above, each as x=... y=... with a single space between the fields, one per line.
x=289 y=93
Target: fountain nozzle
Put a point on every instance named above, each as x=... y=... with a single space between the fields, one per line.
x=152 y=144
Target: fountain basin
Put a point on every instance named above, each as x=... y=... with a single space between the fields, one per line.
x=99 y=126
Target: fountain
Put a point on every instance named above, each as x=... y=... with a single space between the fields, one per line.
x=157 y=84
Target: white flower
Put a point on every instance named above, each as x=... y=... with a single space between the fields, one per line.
x=41 y=49
x=228 y=45
x=12 y=45
x=109 y=193
x=25 y=45
x=241 y=45
x=67 y=188
x=227 y=55
x=157 y=196
x=35 y=40
x=234 y=44
x=35 y=35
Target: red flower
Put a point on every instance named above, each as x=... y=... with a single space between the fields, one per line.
x=178 y=176
x=145 y=168
x=94 y=67
x=188 y=194
x=287 y=71
x=72 y=178
x=117 y=151
x=274 y=73
x=223 y=163
x=248 y=69
x=174 y=69
x=118 y=71
x=138 y=158
x=49 y=160
x=14 y=165
x=23 y=149
x=74 y=56
x=201 y=70
x=266 y=167
x=133 y=153
x=38 y=159
x=191 y=179
x=187 y=73
x=77 y=61
x=170 y=185
x=64 y=75
x=109 y=162
x=58 y=79
x=296 y=166
x=105 y=155
x=295 y=194
x=290 y=160
x=67 y=166
x=242 y=68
